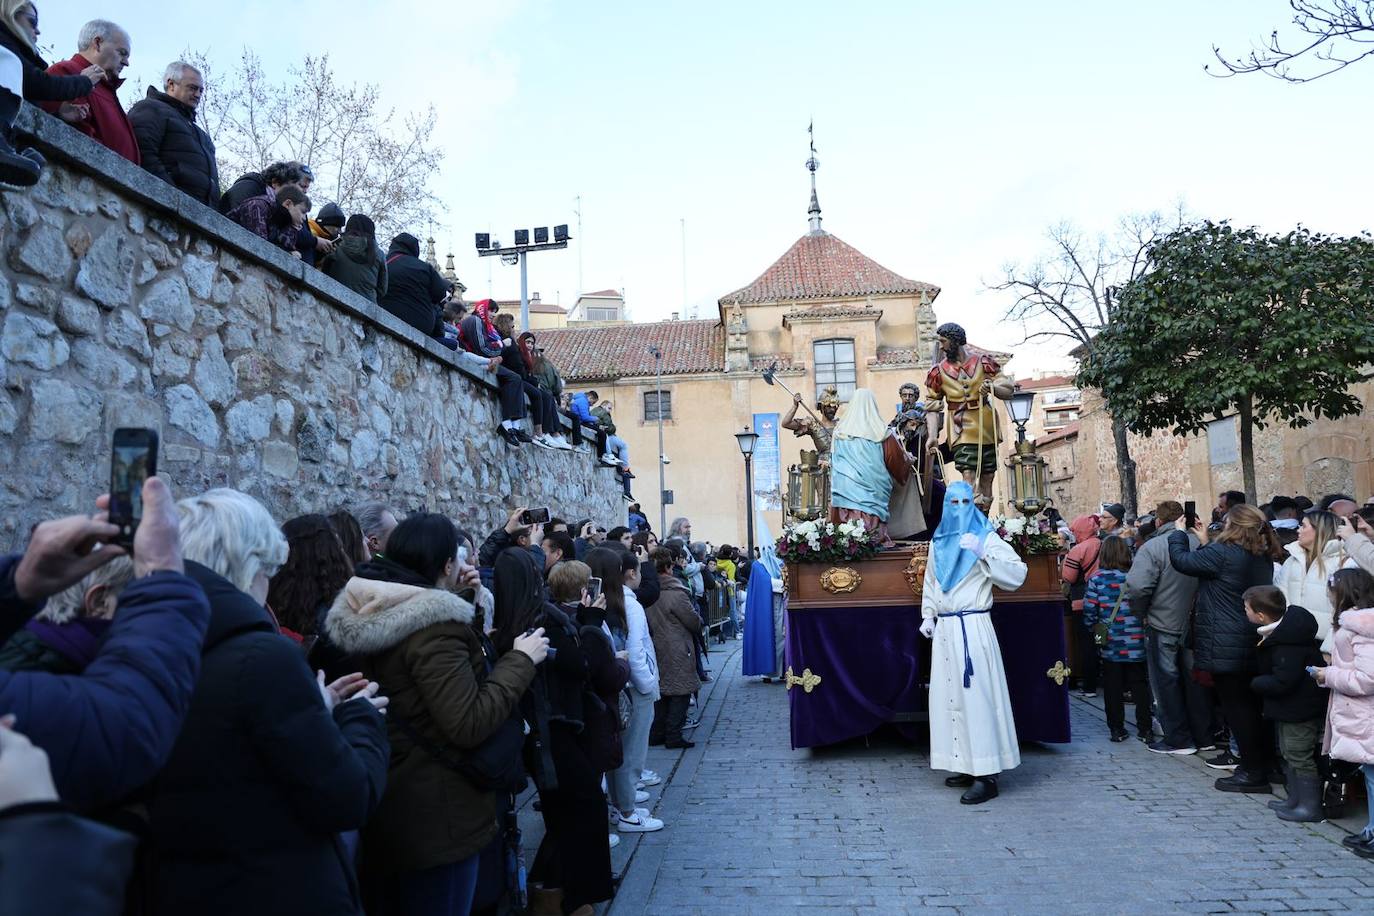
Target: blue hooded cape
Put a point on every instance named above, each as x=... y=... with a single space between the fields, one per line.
x=961 y=517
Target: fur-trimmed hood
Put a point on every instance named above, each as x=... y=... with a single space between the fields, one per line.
x=371 y=615
x=1360 y=622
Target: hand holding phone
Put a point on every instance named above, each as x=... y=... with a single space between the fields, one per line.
x=593 y=590
x=538 y=516
x=133 y=459
x=1190 y=514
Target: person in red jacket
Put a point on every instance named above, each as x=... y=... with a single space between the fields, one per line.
x=99 y=115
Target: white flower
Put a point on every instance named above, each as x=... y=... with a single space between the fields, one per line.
x=1015 y=525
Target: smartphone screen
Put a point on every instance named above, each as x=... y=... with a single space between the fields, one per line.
x=535 y=516
x=1190 y=513
x=593 y=588
x=133 y=459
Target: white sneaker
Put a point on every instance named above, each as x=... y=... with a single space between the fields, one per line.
x=610 y=459
x=648 y=778
x=543 y=441
x=561 y=444
x=615 y=840
x=639 y=823
x=641 y=796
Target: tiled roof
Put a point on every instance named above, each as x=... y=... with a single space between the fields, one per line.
x=1065 y=433
x=602 y=294
x=1049 y=381
x=615 y=351
x=823 y=267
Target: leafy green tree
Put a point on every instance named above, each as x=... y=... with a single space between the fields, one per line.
x=1268 y=327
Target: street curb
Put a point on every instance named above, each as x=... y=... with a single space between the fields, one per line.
x=646 y=851
x=1331 y=831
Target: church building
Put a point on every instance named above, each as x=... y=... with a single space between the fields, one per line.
x=823 y=314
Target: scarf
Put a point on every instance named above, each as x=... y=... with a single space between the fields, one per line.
x=961 y=517
x=482 y=309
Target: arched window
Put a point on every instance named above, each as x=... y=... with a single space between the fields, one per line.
x=835 y=366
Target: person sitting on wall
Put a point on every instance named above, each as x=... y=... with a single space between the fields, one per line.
x=581 y=405
x=415 y=290
x=543 y=408
x=479 y=339
x=275 y=216
x=355 y=261
x=171 y=145
x=255 y=184
x=99 y=115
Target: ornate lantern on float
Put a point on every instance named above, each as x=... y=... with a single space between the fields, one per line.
x=808 y=489
x=1025 y=468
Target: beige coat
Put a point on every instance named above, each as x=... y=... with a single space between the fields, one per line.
x=673 y=622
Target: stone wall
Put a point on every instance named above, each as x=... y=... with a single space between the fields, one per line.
x=123 y=303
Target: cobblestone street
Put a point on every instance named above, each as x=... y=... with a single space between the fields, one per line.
x=755 y=827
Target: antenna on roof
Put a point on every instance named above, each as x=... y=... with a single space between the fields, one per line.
x=814 y=213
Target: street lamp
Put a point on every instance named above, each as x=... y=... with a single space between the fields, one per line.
x=658 y=399
x=1019 y=408
x=519 y=253
x=747 y=440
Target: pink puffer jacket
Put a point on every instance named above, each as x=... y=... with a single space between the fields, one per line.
x=1350 y=677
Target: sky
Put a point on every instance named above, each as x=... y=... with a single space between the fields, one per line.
x=950 y=136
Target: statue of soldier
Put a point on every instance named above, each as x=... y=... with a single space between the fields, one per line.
x=820 y=432
x=965 y=381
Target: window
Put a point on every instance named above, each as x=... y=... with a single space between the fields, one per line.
x=658 y=405
x=835 y=366
x=1060 y=417
x=610 y=314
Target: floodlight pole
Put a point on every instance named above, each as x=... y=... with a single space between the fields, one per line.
x=524 y=294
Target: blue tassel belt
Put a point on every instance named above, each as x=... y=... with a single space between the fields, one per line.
x=963 y=629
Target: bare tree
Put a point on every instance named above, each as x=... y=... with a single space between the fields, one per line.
x=1334 y=35
x=366 y=159
x=1068 y=294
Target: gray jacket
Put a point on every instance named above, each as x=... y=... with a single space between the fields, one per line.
x=1360 y=549
x=1160 y=594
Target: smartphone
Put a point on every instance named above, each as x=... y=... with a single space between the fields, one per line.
x=593 y=588
x=1190 y=514
x=463 y=554
x=535 y=516
x=133 y=459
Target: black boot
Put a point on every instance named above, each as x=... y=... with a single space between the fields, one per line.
x=959 y=781
x=984 y=790
x=1284 y=804
x=18 y=169
x=1308 y=807
x=1243 y=780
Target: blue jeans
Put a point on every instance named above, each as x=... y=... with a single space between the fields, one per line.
x=1368 y=769
x=618 y=447
x=443 y=890
x=1183 y=705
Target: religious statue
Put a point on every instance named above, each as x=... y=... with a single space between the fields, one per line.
x=965 y=381
x=870 y=473
x=818 y=428
x=972 y=732
x=927 y=486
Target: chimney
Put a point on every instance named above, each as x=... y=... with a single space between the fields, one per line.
x=534 y=297
x=674 y=318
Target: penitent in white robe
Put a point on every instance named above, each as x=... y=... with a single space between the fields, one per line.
x=971 y=728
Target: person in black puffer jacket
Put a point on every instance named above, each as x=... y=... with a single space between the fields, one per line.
x=271 y=766
x=170 y=143
x=415 y=292
x=1224 y=640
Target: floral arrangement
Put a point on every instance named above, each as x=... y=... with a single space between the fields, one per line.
x=1028 y=536
x=825 y=542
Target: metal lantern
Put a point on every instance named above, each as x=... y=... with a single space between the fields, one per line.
x=1026 y=469
x=808 y=489
x=1026 y=477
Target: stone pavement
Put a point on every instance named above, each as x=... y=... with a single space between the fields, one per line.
x=755 y=827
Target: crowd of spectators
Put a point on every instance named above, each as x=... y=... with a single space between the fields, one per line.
x=1248 y=635
x=338 y=713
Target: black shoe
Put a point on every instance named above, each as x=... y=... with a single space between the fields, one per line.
x=1308 y=807
x=1364 y=850
x=984 y=790
x=681 y=744
x=656 y=741
x=1148 y=738
x=522 y=435
x=1278 y=777
x=959 y=781
x=1241 y=781
x=1355 y=841
x=625 y=472
x=510 y=438
x=1223 y=761
x=1118 y=737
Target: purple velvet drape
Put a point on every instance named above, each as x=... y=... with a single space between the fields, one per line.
x=873 y=664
